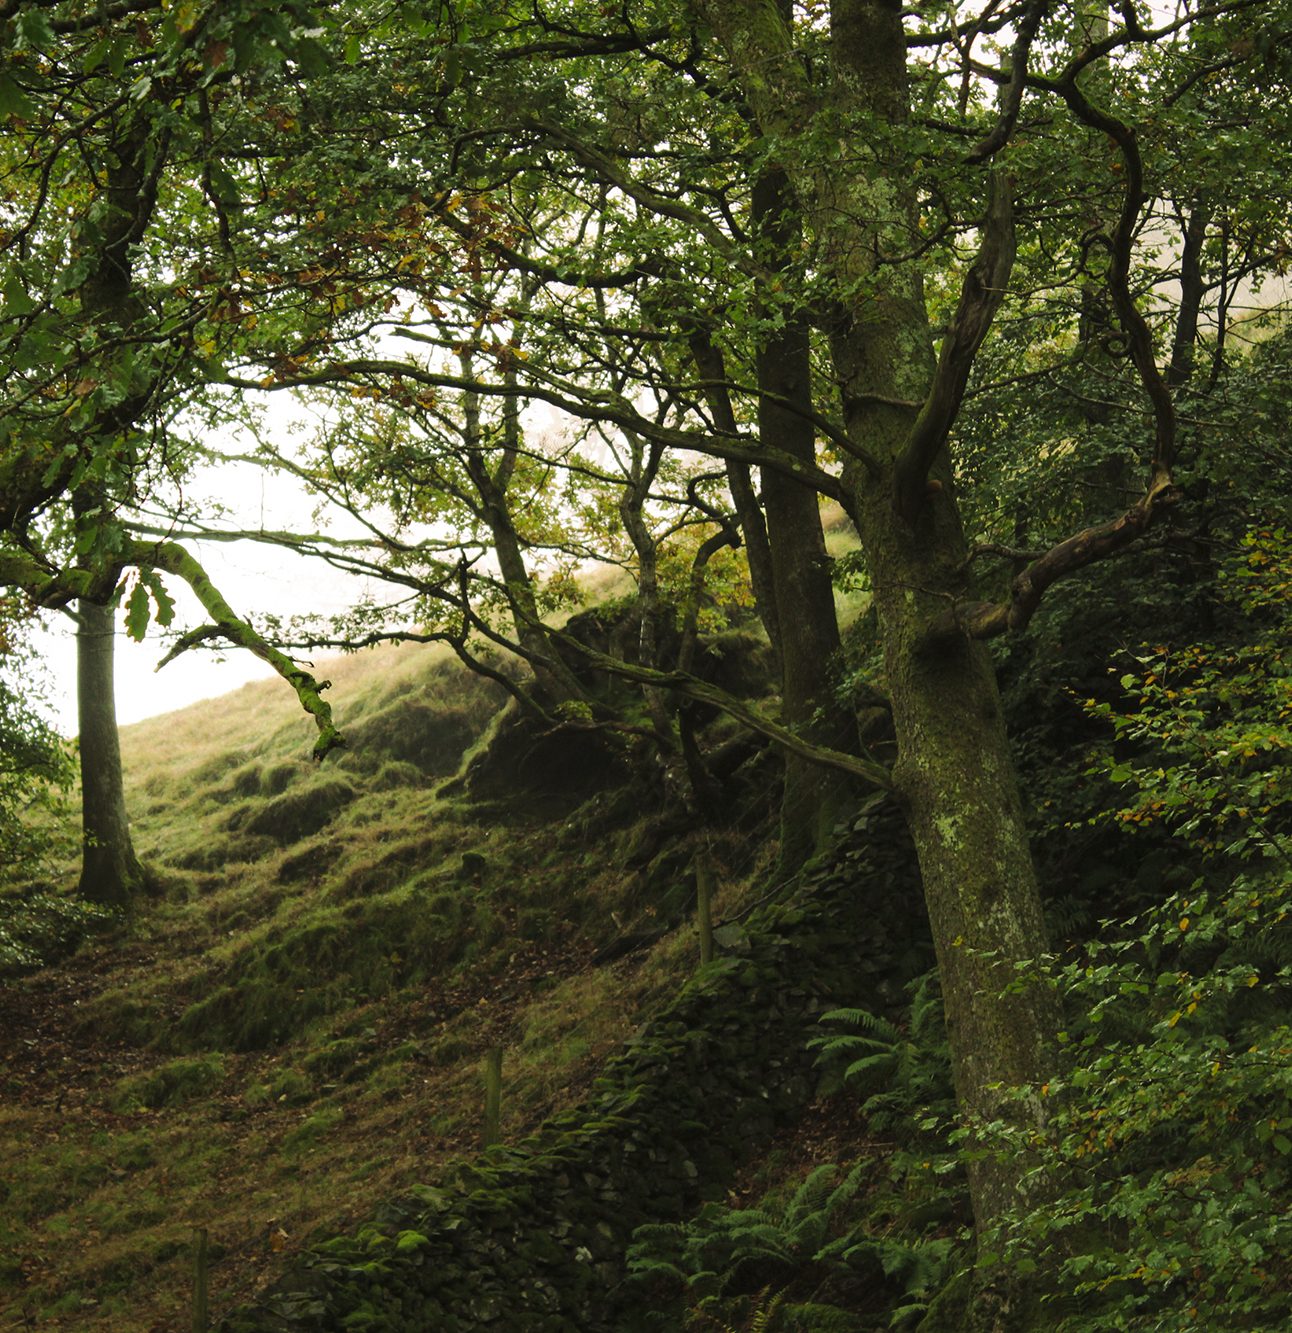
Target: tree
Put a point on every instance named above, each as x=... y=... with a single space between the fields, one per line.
x=111 y=873
x=857 y=112
x=113 y=292
x=872 y=234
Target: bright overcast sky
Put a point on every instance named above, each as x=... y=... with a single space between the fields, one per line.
x=256 y=580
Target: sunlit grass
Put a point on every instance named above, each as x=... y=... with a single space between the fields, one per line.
x=292 y=1031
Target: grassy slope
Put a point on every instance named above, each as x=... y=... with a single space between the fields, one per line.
x=294 y=1029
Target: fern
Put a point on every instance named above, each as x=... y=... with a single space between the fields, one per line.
x=900 y=1072
x=813 y=1242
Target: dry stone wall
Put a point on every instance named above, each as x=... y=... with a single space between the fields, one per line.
x=532 y=1237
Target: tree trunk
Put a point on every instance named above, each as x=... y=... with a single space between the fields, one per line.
x=814 y=800
x=956 y=781
x=110 y=871
x=954 y=773
x=554 y=682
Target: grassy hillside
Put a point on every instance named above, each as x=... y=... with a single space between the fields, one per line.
x=294 y=1028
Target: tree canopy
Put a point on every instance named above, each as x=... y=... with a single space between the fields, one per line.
x=643 y=285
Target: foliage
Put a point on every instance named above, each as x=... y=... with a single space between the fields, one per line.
x=812 y=1256
x=1170 y=1109
x=804 y=1259
x=1206 y=729
x=900 y=1072
x=720 y=1253
x=40 y=928
x=198 y=199
x=170 y=1084
x=36 y=765
x=1171 y=1114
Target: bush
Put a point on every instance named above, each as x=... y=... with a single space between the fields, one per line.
x=40 y=928
x=1170 y=1105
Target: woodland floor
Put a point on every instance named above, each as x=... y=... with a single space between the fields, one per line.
x=133 y=1185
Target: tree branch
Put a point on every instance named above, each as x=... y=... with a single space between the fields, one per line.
x=981 y=295
x=174 y=559
x=691 y=687
x=987 y=620
x=587 y=405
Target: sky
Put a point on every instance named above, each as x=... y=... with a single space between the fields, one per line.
x=255 y=579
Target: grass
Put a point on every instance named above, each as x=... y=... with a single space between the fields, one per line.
x=292 y=1031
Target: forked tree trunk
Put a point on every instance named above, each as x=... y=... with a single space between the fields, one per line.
x=110 y=871
x=954 y=774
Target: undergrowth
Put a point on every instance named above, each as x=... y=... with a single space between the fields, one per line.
x=293 y=1030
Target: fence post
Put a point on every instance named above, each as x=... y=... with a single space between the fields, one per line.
x=493 y=1096
x=201 y=1305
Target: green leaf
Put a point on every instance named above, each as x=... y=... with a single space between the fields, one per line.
x=137 y=613
x=34 y=30
x=95 y=56
x=16 y=300
x=165 y=602
x=117 y=57
x=14 y=101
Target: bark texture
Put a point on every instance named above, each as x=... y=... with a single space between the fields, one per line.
x=110 y=871
x=954 y=773
x=814 y=800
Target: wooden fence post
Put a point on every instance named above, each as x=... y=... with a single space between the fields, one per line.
x=201 y=1302
x=493 y=1097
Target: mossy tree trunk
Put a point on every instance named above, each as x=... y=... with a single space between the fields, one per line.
x=814 y=800
x=954 y=774
x=112 y=308
x=110 y=871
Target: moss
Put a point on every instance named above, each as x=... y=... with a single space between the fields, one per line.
x=307 y=863
x=177 y=1081
x=299 y=812
x=397 y=773
x=539 y=1231
x=271 y=987
x=245 y=781
x=341 y=1059
x=219 y=851
x=430 y=737
x=278 y=777
x=314 y=1127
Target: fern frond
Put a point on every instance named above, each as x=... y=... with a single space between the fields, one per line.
x=864 y=1019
